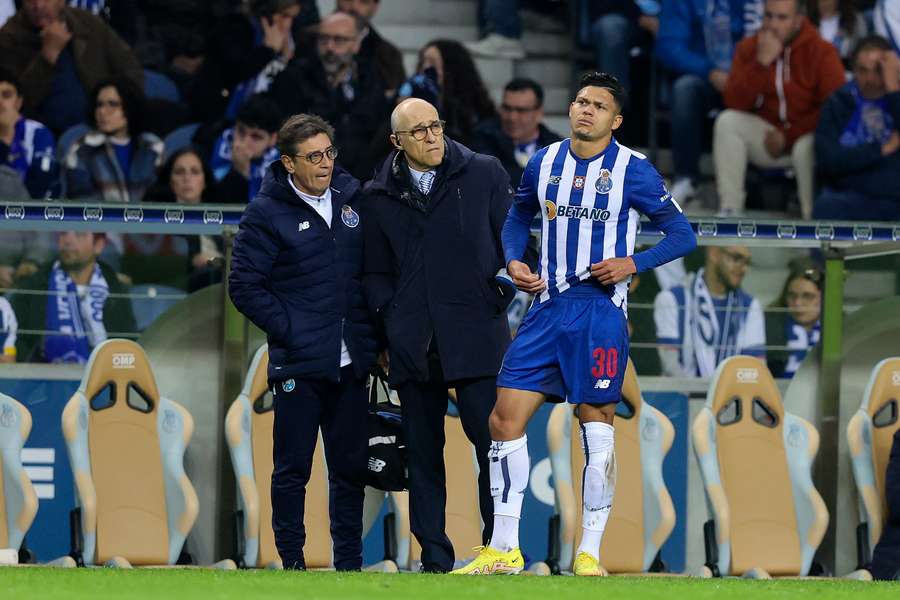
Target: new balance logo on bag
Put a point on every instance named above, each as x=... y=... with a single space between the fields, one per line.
x=376 y=464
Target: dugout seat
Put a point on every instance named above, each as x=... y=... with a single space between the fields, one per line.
x=134 y=503
x=642 y=516
x=870 y=434
x=248 y=432
x=18 y=500
x=766 y=517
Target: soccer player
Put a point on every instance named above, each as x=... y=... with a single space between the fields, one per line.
x=573 y=344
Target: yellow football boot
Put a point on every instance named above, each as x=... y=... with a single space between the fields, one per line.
x=493 y=562
x=587 y=566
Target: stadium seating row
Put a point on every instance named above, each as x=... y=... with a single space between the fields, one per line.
x=766 y=518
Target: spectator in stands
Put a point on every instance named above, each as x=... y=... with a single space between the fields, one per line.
x=9 y=327
x=81 y=303
x=518 y=133
x=779 y=80
x=887 y=22
x=185 y=179
x=243 y=153
x=375 y=49
x=500 y=21
x=709 y=317
x=840 y=23
x=341 y=88
x=796 y=324
x=857 y=139
x=245 y=52
x=618 y=26
x=60 y=54
x=30 y=147
x=20 y=251
x=464 y=99
x=695 y=44
x=115 y=161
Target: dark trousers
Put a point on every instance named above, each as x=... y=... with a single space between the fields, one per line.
x=340 y=409
x=886 y=557
x=424 y=405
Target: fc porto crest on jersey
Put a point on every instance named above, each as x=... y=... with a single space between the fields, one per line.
x=349 y=216
x=578 y=182
x=604 y=183
x=288 y=386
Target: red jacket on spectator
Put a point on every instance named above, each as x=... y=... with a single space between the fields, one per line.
x=789 y=92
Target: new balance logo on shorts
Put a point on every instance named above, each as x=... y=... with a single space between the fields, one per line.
x=602 y=384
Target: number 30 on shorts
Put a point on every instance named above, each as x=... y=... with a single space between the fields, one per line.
x=606 y=362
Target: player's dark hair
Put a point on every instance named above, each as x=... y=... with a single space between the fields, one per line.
x=7 y=76
x=608 y=82
x=521 y=84
x=260 y=111
x=299 y=128
x=870 y=42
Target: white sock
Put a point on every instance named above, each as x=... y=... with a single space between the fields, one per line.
x=510 y=466
x=598 y=442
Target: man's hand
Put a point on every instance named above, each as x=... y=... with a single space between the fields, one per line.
x=892 y=145
x=240 y=157
x=649 y=23
x=775 y=143
x=54 y=38
x=384 y=361
x=768 y=47
x=273 y=35
x=613 y=270
x=890 y=71
x=719 y=79
x=524 y=279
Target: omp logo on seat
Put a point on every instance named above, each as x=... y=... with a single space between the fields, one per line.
x=748 y=375
x=123 y=360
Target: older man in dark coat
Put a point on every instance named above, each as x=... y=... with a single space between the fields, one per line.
x=433 y=218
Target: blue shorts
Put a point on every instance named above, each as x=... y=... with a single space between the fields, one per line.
x=572 y=347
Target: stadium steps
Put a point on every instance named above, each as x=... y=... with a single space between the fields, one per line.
x=410 y=24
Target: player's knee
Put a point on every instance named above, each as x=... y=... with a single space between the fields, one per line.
x=504 y=428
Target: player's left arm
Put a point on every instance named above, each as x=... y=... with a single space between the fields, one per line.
x=646 y=192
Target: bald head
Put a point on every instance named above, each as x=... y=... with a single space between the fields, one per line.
x=412 y=112
x=416 y=117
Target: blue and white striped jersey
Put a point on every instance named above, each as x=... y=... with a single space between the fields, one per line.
x=590 y=209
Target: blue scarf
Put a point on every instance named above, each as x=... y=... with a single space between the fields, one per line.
x=799 y=341
x=78 y=320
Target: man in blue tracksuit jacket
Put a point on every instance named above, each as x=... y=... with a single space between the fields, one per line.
x=296 y=273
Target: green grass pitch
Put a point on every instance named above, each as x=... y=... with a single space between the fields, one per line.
x=172 y=584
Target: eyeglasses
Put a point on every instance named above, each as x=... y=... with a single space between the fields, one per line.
x=338 y=40
x=517 y=109
x=421 y=132
x=316 y=157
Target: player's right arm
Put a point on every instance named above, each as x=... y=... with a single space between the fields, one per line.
x=517 y=228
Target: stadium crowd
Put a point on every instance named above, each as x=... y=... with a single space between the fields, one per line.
x=146 y=101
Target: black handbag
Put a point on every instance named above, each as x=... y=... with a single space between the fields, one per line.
x=387 y=446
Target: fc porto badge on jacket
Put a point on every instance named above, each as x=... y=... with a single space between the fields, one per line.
x=349 y=216
x=288 y=386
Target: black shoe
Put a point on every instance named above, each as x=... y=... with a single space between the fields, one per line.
x=295 y=565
